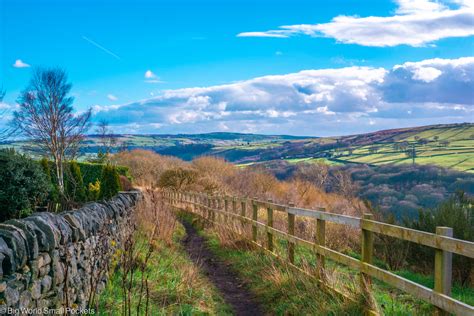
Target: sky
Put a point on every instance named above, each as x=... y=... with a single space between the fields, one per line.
x=315 y=68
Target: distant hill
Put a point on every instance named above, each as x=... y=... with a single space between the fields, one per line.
x=447 y=145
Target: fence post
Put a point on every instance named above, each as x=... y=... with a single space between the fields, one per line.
x=234 y=210
x=243 y=211
x=198 y=202
x=443 y=267
x=214 y=207
x=226 y=209
x=320 y=241
x=203 y=205
x=209 y=208
x=269 y=224
x=217 y=216
x=234 y=205
x=255 y=219
x=367 y=252
x=291 y=232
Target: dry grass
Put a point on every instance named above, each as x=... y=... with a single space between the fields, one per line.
x=155 y=216
x=146 y=166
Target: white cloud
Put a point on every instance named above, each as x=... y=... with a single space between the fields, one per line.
x=331 y=101
x=150 y=75
x=418 y=6
x=426 y=74
x=112 y=97
x=415 y=23
x=433 y=80
x=223 y=126
x=20 y=64
x=276 y=34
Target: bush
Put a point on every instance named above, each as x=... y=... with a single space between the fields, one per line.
x=24 y=185
x=458 y=213
x=145 y=166
x=177 y=179
x=109 y=183
x=75 y=184
x=93 y=191
x=53 y=193
x=91 y=174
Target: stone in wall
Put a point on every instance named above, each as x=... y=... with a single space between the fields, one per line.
x=46 y=259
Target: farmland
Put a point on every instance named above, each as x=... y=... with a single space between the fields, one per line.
x=448 y=145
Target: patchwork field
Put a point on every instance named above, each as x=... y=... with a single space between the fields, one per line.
x=448 y=145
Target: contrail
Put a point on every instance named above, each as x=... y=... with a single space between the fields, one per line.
x=101 y=47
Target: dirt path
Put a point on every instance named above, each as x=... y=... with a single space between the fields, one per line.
x=232 y=288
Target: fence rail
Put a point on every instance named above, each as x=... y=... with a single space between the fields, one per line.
x=208 y=206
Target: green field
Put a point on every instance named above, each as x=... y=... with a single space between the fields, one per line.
x=449 y=145
x=446 y=147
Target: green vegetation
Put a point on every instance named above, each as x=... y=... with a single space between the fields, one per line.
x=83 y=180
x=75 y=183
x=176 y=287
x=28 y=184
x=281 y=290
x=24 y=185
x=326 y=161
x=449 y=145
x=457 y=213
x=109 y=182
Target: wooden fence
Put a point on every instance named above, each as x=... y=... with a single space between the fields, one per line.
x=245 y=211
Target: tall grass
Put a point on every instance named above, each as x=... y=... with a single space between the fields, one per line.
x=152 y=274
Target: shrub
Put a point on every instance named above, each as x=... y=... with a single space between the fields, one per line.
x=24 y=185
x=53 y=193
x=145 y=166
x=93 y=191
x=91 y=174
x=109 y=183
x=75 y=184
x=178 y=178
x=458 y=213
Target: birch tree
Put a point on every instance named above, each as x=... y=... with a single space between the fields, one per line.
x=46 y=117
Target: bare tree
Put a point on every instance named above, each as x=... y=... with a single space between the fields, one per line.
x=5 y=131
x=106 y=138
x=46 y=117
x=315 y=173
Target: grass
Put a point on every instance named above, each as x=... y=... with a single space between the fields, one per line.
x=283 y=291
x=314 y=160
x=457 y=154
x=176 y=285
x=280 y=290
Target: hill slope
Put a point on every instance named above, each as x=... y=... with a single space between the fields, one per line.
x=447 y=145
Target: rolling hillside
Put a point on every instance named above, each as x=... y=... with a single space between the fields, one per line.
x=447 y=145
x=444 y=145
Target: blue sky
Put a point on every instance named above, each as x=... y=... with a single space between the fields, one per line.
x=199 y=66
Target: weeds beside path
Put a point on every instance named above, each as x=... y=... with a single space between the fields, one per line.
x=234 y=291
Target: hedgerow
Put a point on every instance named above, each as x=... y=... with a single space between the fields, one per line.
x=24 y=185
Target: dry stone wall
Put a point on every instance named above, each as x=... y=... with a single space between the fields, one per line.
x=49 y=261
